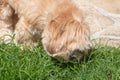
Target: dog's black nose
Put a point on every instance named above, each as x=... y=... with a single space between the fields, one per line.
x=76 y=54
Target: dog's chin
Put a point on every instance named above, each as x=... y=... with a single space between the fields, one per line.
x=68 y=56
x=69 y=53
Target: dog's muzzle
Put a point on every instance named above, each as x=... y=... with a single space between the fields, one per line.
x=76 y=55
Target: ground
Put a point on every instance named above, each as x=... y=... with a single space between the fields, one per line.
x=16 y=64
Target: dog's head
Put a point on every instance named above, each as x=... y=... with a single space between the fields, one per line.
x=66 y=36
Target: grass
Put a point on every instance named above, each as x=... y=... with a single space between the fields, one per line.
x=103 y=63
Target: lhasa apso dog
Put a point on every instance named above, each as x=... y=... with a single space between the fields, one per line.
x=59 y=23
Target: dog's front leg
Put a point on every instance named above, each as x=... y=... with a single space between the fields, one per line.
x=22 y=32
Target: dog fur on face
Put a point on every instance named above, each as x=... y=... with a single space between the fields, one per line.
x=60 y=22
x=66 y=33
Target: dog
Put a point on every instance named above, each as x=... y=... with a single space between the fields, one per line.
x=59 y=24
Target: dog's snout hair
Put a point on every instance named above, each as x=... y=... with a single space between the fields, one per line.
x=76 y=55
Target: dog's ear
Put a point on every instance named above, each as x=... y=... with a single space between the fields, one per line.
x=52 y=35
x=84 y=30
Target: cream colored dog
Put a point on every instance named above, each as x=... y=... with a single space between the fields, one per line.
x=59 y=23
